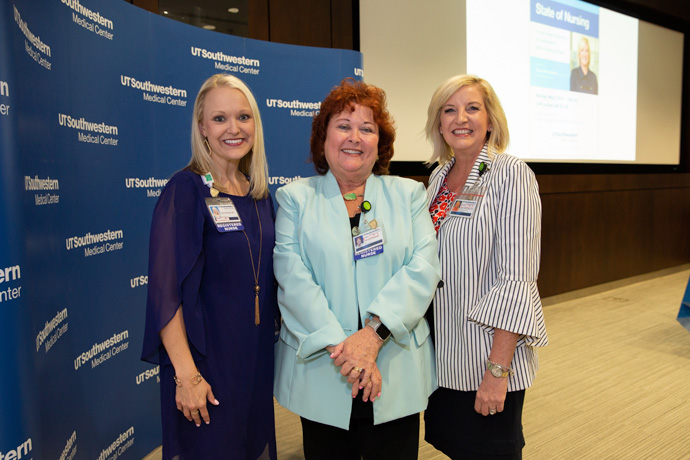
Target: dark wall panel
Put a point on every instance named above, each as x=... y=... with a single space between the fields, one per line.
x=148 y=5
x=258 y=20
x=597 y=229
x=301 y=22
x=670 y=216
x=342 y=24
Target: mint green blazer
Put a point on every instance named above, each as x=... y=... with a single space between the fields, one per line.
x=322 y=290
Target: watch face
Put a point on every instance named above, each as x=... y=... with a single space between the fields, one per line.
x=383 y=332
x=496 y=370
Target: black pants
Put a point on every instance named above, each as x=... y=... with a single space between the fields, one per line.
x=397 y=439
x=453 y=427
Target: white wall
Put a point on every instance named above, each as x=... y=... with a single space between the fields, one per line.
x=409 y=48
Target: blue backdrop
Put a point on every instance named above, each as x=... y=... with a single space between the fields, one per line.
x=96 y=100
x=684 y=312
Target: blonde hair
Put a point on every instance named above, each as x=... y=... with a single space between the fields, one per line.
x=498 y=137
x=254 y=163
x=580 y=44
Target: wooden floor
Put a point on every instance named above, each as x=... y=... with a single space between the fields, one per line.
x=613 y=384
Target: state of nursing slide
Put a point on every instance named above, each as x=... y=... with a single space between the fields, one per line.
x=566 y=77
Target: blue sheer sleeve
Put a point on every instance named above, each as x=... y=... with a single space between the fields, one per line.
x=175 y=266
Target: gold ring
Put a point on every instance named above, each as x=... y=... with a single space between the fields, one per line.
x=492 y=412
x=358 y=369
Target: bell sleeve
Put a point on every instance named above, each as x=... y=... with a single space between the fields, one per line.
x=513 y=302
x=175 y=266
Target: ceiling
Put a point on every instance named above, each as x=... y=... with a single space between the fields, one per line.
x=209 y=14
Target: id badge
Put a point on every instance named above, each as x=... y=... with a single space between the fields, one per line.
x=466 y=203
x=369 y=242
x=224 y=214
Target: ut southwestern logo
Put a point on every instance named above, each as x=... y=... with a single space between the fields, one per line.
x=152 y=185
x=297 y=108
x=147 y=374
x=21 y=451
x=4 y=91
x=67 y=452
x=151 y=182
x=79 y=241
x=294 y=104
x=54 y=324
x=139 y=281
x=123 y=442
x=282 y=180
x=106 y=239
x=104 y=350
x=229 y=63
x=9 y=274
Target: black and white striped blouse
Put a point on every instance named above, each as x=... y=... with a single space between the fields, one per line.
x=489 y=264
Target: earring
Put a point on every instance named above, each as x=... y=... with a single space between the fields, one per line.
x=207 y=145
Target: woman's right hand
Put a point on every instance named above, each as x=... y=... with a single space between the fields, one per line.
x=191 y=400
x=191 y=394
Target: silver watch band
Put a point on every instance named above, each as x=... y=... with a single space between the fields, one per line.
x=382 y=331
x=499 y=371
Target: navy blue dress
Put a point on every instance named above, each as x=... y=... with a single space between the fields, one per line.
x=210 y=274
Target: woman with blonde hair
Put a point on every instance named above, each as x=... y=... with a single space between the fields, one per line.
x=212 y=306
x=488 y=315
x=582 y=79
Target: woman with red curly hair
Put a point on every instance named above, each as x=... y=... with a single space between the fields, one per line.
x=357 y=266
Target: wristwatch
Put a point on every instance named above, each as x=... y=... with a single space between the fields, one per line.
x=498 y=371
x=381 y=330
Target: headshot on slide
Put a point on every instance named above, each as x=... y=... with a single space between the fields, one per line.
x=583 y=79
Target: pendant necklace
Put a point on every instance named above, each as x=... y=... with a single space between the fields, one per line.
x=257 y=316
x=364 y=207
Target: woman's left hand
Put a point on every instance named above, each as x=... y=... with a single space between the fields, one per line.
x=370 y=388
x=491 y=395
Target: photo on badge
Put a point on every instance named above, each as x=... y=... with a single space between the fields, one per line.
x=368 y=243
x=224 y=214
x=463 y=207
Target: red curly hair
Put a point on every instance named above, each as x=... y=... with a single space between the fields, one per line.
x=344 y=96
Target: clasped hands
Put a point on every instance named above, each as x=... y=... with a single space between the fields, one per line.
x=356 y=358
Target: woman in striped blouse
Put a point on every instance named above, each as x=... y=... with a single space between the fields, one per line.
x=488 y=315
